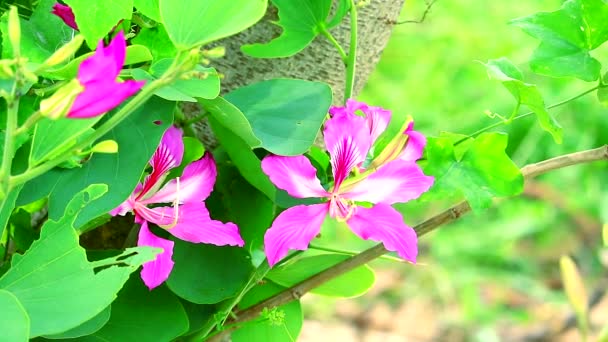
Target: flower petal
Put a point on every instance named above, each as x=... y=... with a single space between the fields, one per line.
x=377 y=118
x=155 y=272
x=294 y=228
x=66 y=14
x=168 y=155
x=195 y=225
x=385 y=224
x=105 y=64
x=397 y=181
x=129 y=204
x=99 y=97
x=414 y=146
x=195 y=184
x=296 y=175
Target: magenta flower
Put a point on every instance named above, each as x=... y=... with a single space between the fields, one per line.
x=188 y=219
x=65 y=13
x=348 y=138
x=97 y=75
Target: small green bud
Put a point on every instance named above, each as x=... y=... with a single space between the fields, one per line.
x=64 y=53
x=106 y=146
x=6 y=70
x=14 y=30
x=216 y=52
x=59 y=104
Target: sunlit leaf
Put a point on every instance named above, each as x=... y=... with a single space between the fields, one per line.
x=149 y=8
x=15 y=323
x=231 y=118
x=87 y=328
x=95 y=19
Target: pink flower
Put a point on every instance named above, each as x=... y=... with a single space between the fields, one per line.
x=97 y=74
x=188 y=219
x=65 y=13
x=348 y=138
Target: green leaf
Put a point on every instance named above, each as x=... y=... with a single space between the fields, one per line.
x=527 y=94
x=566 y=38
x=351 y=284
x=149 y=8
x=286 y=329
x=231 y=118
x=137 y=138
x=7 y=206
x=15 y=323
x=192 y=23
x=95 y=19
x=87 y=328
x=208 y=274
x=341 y=12
x=285 y=114
x=198 y=315
x=40 y=36
x=207 y=87
x=139 y=314
x=484 y=171
x=301 y=20
x=157 y=40
x=55 y=270
x=602 y=93
x=135 y=54
x=54 y=136
x=193 y=150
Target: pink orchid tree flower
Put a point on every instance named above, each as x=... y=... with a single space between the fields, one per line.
x=348 y=138
x=97 y=75
x=187 y=219
x=66 y=14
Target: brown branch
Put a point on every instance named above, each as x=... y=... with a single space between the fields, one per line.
x=429 y=5
x=452 y=214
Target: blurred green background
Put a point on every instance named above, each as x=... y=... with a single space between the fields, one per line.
x=494 y=275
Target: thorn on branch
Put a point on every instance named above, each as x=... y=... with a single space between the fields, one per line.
x=427 y=10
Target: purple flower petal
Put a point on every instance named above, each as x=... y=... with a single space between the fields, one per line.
x=296 y=175
x=66 y=14
x=397 y=181
x=105 y=64
x=195 y=225
x=195 y=184
x=414 y=146
x=160 y=216
x=99 y=97
x=385 y=224
x=155 y=272
x=377 y=120
x=293 y=229
x=168 y=155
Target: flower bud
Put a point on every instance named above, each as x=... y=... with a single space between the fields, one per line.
x=59 y=104
x=394 y=148
x=14 y=30
x=64 y=53
x=106 y=146
x=6 y=70
x=216 y=52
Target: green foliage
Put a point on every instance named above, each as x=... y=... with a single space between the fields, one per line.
x=6 y=208
x=95 y=19
x=230 y=117
x=300 y=105
x=149 y=8
x=137 y=138
x=567 y=36
x=87 y=328
x=15 y=323
x=157 y=40
x=301 y=21
x=57 y=259
x=350 y=284
x=483 y=172
x=207 y=274
x=527 y=94
x=189 y=22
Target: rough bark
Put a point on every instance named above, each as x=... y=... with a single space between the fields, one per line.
x=318 y=62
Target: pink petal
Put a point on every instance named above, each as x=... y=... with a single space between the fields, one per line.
x=414 y=146
x=385 y=224
x=117 y=49
x=377 y=120
x=99 y=97
x=195 y=225
x=155 y=272
x=160 y=216
x=294 y=228
x=128 y=205
x=168 y=155
x=105 y=64
x=397 y=181
x=351 y=107
x=296 y=175
x=195 y=184
x=66 y=14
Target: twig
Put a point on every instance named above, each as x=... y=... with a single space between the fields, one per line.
x=429 y=5
x=452 y=214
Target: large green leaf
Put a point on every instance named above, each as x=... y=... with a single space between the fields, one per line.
x=87 y=328
x=277 y=325
x=95 y=19
x=54 y=136
x=231 y=118
x=301 y=20
x=208 y=274
x=206 y=87
x=527 y=94
x=285 y=114
x=149 y=8
x=157 y=40
x=139 y=314
x=56 y=284
x=566 y=38
x=350 y=284
x=14 y=321
x=6 y=207
x=483 y=172
x=192 y=23
x=41 y=35
x=137 y=138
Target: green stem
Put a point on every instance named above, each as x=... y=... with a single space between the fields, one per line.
x=335 y=43
x=561 y=103
x=341 y=251
x=9 y=139
x=29 y=123
x=352 y=53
